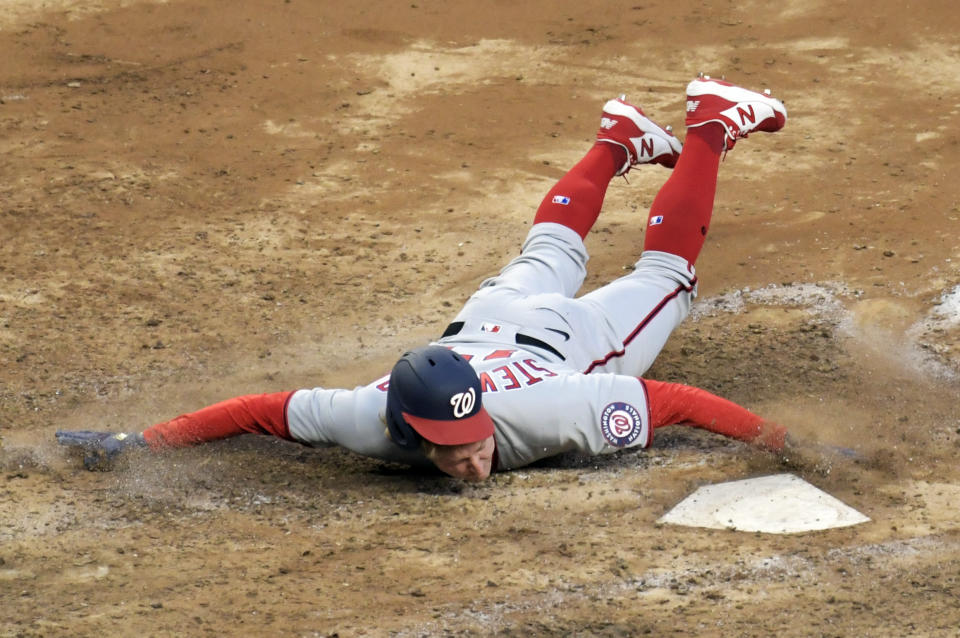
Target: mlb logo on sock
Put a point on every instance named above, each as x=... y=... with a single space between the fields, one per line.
x=656 y=220
x=561 y=199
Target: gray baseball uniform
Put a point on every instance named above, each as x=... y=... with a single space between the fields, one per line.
x=558 y=373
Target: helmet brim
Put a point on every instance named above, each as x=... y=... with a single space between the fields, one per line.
x=453 y=432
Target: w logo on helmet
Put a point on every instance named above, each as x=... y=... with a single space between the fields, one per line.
x=463 y=403
x=435 y=395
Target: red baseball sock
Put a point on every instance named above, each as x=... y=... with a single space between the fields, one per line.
x=255 y=413
x=575 y=200
x=681 y=211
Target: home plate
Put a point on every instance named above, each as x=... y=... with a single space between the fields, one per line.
x=777 y=504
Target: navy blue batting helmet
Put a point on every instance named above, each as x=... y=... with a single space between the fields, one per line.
x=434 y=394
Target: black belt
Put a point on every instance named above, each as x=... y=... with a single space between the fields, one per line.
x=521 y=339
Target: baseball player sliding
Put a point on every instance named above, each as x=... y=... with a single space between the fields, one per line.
x=525 y=370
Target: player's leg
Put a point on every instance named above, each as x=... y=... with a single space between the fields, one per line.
x=554 y=259
x=681 y=211
x=719 y=113
x=626 y=138
x=623 y=326
x=641 y=309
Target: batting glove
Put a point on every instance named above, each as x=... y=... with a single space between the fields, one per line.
x=100 y=449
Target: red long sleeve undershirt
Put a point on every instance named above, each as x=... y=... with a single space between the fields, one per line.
x=678 y=404
x=670 y=404
x=254 y=413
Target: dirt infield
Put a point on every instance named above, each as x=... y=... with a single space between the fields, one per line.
x=204 y=198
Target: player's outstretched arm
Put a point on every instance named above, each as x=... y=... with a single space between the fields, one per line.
x=252 y=413
x=678 y=404
x=258 y=414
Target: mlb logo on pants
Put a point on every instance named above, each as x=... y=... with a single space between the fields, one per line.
x=561 y=199
x=656 y=220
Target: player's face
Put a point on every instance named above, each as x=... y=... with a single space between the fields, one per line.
x=470 y=461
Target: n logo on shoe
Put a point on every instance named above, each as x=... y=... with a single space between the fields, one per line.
x=692 y=105
x=745 y=115
x=607 y=123
x=645 y=146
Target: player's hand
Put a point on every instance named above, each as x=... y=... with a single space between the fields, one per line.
x=813 y=455
x=100 y=449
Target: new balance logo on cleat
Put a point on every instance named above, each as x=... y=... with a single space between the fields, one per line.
x=644 y=141
x=740 y=111
x=644 y=145
x=744 y=114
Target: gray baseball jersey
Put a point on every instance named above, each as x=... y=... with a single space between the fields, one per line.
x=558 y=373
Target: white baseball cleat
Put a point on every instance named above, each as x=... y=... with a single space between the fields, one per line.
x=645 y=141
x=739 y=110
